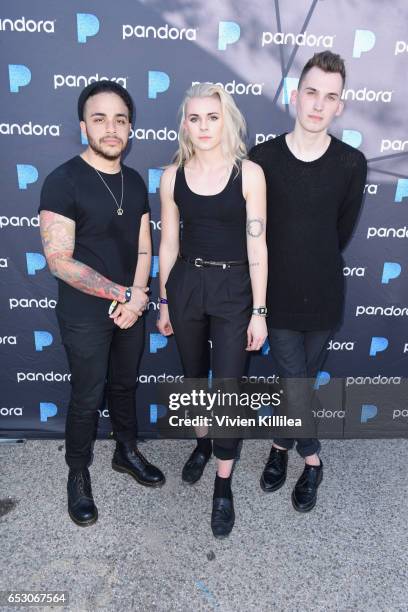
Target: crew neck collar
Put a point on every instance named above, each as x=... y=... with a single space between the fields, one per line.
x=317 y=161
x=100 y=171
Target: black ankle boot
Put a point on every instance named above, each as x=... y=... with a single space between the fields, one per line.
x=128 y=458
x=81 y=507
x=274 y=474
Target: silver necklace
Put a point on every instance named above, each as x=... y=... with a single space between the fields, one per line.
x=119 y=207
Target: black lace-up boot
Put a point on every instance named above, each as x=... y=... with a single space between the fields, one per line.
x=128 y=458
x=81 y=507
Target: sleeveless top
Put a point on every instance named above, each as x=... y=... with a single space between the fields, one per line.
x=213 y=226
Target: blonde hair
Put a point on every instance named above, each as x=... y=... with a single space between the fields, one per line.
x=234 y=131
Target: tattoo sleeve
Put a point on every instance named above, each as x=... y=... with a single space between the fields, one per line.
x=58 y=238
x=255 y=227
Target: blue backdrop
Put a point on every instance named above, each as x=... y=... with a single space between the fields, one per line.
x=157 y=49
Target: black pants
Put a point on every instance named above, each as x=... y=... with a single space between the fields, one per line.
x=211 y=303
x=298 y=355
x=100 y=353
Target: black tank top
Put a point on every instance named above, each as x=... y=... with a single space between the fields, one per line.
x=213 y=226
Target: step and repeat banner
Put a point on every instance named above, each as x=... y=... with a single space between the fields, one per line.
x=156 y=50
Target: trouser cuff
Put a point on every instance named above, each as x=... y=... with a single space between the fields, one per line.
x=224 y=453
x=125 y=436
x=77 y=464
x=284 y=443
x=310 y=449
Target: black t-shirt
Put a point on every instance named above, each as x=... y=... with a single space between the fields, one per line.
x=312 y=210
x=104 y=240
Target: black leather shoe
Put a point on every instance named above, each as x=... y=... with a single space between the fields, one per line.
x=128 y=458
x=222 y=517
x=274 y=474
x=81 y=507
x=304 y=495
x=194 y=467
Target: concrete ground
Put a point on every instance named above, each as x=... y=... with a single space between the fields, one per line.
x=153 y=550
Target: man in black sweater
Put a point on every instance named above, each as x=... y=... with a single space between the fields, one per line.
x=315 y=187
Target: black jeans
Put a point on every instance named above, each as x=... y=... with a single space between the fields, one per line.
x=100 y=353
x=298 y=354
x=211 y=303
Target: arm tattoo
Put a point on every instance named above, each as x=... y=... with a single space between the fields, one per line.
x=255 y=227
x=87 y=280
x=58 y=238
x=255 y=263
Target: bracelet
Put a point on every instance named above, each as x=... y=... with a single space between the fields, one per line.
x=163 y=301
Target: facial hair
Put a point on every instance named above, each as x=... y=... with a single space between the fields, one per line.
x=97 y=149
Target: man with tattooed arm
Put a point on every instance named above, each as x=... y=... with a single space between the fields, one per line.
x=94 y=219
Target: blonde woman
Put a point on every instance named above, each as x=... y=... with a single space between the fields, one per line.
x=213 y=277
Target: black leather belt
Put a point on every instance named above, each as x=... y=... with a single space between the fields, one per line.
x=203 y=263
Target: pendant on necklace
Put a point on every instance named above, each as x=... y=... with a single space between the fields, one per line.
x=120 y=211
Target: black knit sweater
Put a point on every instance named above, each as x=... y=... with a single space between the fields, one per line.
x=312 y=210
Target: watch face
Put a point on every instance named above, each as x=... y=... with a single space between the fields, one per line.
x=128 y=294
x=261 y=310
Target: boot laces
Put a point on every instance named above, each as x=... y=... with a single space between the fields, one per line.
x=83 y=483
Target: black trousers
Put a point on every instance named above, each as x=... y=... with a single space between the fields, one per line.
x=298 y=354
x=100 y=354
x=211 y=304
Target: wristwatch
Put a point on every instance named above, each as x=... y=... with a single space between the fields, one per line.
x=128 y=294
x=262 y=311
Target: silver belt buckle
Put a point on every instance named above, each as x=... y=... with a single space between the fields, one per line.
x=198 y=262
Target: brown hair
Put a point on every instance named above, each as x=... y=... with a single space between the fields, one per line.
x=326 y=61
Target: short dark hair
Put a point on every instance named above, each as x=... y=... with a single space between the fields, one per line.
x=103 y=87
x=326 y=61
